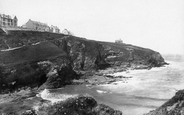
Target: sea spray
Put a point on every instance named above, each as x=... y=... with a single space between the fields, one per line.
x=54 y=97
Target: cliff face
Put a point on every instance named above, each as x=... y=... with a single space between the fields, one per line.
x=174 y=106
x=45 y=58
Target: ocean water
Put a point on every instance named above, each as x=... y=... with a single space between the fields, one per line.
x=144 y=91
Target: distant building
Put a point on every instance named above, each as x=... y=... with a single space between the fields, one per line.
x=119 y=41
x=34 y=25
x=54 y=29
x=67 y=32
x=8 y=21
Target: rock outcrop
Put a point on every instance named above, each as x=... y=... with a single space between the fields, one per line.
x=80 y=105
x=174 y=106
x=34 y=59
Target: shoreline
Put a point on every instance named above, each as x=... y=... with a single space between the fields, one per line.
x=100 y=78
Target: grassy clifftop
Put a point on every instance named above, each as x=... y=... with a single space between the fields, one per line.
x=42 y=56
x=43 y=51
x=40 y=45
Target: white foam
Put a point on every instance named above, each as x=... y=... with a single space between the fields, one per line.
x=100 y=91
x=54 y=97
x=132 y=72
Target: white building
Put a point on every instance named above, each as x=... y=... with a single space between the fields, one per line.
x=54 y=29
x=67 y=32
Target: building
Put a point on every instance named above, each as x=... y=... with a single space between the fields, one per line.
x=34 y=25
x=67 y=32
x=119 y=41
x=54 y=29
x=8 y=21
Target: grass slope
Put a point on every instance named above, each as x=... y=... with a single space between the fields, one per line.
x=42 y=51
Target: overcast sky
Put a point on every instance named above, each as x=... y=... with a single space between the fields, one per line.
x=154 y=24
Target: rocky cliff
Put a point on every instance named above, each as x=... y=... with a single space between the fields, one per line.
x=174 y=106
x=42 y=59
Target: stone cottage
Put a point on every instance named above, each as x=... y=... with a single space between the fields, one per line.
x=38 y=26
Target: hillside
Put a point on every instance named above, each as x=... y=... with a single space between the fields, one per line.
x=32 y=61
x=47 y=57
x=43 y=51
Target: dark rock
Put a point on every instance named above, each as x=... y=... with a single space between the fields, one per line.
x=109 y=76
x=59 y=77
x=73 y=106
x=102 y=109
x=81 y=105
x=29 y=112
x=156 y=60
x=174 y=106
x=44 y=73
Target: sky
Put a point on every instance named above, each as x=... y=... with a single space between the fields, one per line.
x=154 y=24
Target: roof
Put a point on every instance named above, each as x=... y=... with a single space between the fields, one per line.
x=65 y=31
x=39 y=23
x=54 y=27
x=6 y=16
x=15 y=18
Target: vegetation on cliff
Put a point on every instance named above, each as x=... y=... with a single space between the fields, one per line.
x=39 y=60
x=42 y=57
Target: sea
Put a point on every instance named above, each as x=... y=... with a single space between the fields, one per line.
x=138 y=93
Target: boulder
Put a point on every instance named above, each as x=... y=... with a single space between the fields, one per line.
x=81 y=105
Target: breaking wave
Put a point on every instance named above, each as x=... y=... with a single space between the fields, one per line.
x=54 y=97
